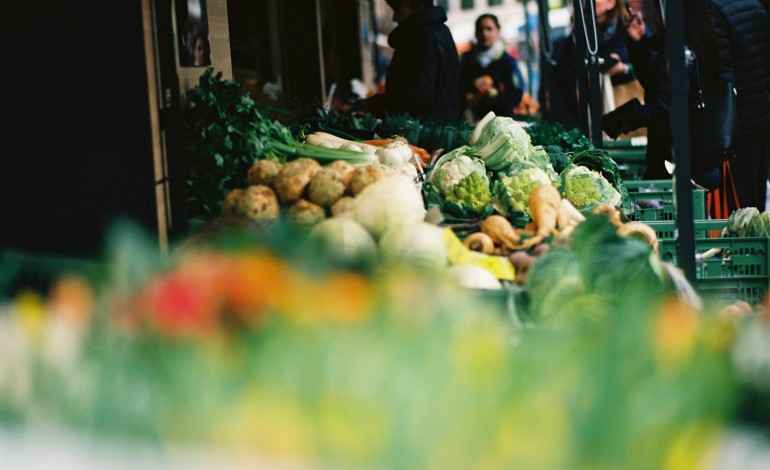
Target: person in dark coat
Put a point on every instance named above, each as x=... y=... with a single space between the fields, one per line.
x=423 y=75
x=743 y=31
x=612 y=49
x=648 y=56
x=490 y=79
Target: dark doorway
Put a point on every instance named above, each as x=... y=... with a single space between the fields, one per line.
x=76 y=143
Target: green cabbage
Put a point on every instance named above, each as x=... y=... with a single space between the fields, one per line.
x=552 y=280
x=501 y=141
x=511 y=192
x=586 y=188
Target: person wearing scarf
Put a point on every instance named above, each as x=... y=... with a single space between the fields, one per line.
x=490 y=79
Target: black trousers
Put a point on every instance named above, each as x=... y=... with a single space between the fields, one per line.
x=750 y=170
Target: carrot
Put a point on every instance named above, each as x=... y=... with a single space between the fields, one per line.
x=377 y=142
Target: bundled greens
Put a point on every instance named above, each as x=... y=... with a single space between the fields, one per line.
x=554 y=134
x=427 y=133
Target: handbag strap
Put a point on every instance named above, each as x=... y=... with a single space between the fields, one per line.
x=700 y=104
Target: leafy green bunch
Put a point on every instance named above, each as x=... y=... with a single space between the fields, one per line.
x=224 y=133
x=552 y=133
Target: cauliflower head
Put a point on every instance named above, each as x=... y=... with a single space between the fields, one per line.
x=472 y=191
x=511 y=192
x=586 y=188
x=451 y=168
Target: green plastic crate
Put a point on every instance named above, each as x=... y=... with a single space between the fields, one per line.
x=750 y=290
x=742 y=275
x=660 y=193
x=630 y=155
x=666 y=229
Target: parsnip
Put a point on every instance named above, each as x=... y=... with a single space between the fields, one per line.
x=481 y=242
x=544 y=204
x=568 y=215
x=321 y=138
x=612 y=212
x=642 y=230
x=500 y=231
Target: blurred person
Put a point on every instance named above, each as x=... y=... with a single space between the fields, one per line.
x=611 y=16
x=423 y=74
x=201 y=50
x=743 y=32
x=648 y=55
x=490 y=79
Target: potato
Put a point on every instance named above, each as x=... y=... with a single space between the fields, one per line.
x=343 y=207
x=232 y=201
x=294 y=177
x=326 y=187
x=306 y=213
x=259 y=204
x=363 y=176
x=263 y=172
x=345 y=168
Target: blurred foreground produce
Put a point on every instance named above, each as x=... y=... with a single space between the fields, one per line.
x=265 y=345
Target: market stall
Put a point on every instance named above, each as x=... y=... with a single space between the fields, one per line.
x=396 y=292
x=372 y=303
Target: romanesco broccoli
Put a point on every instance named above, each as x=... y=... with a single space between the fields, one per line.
x=472 y=191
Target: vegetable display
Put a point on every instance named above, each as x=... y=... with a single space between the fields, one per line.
x=225 y=132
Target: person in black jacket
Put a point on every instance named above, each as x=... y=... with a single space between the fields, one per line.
x=648 y=56
x=490 y=79
x=423 y=75
x=743 y=31
x=611 y=36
